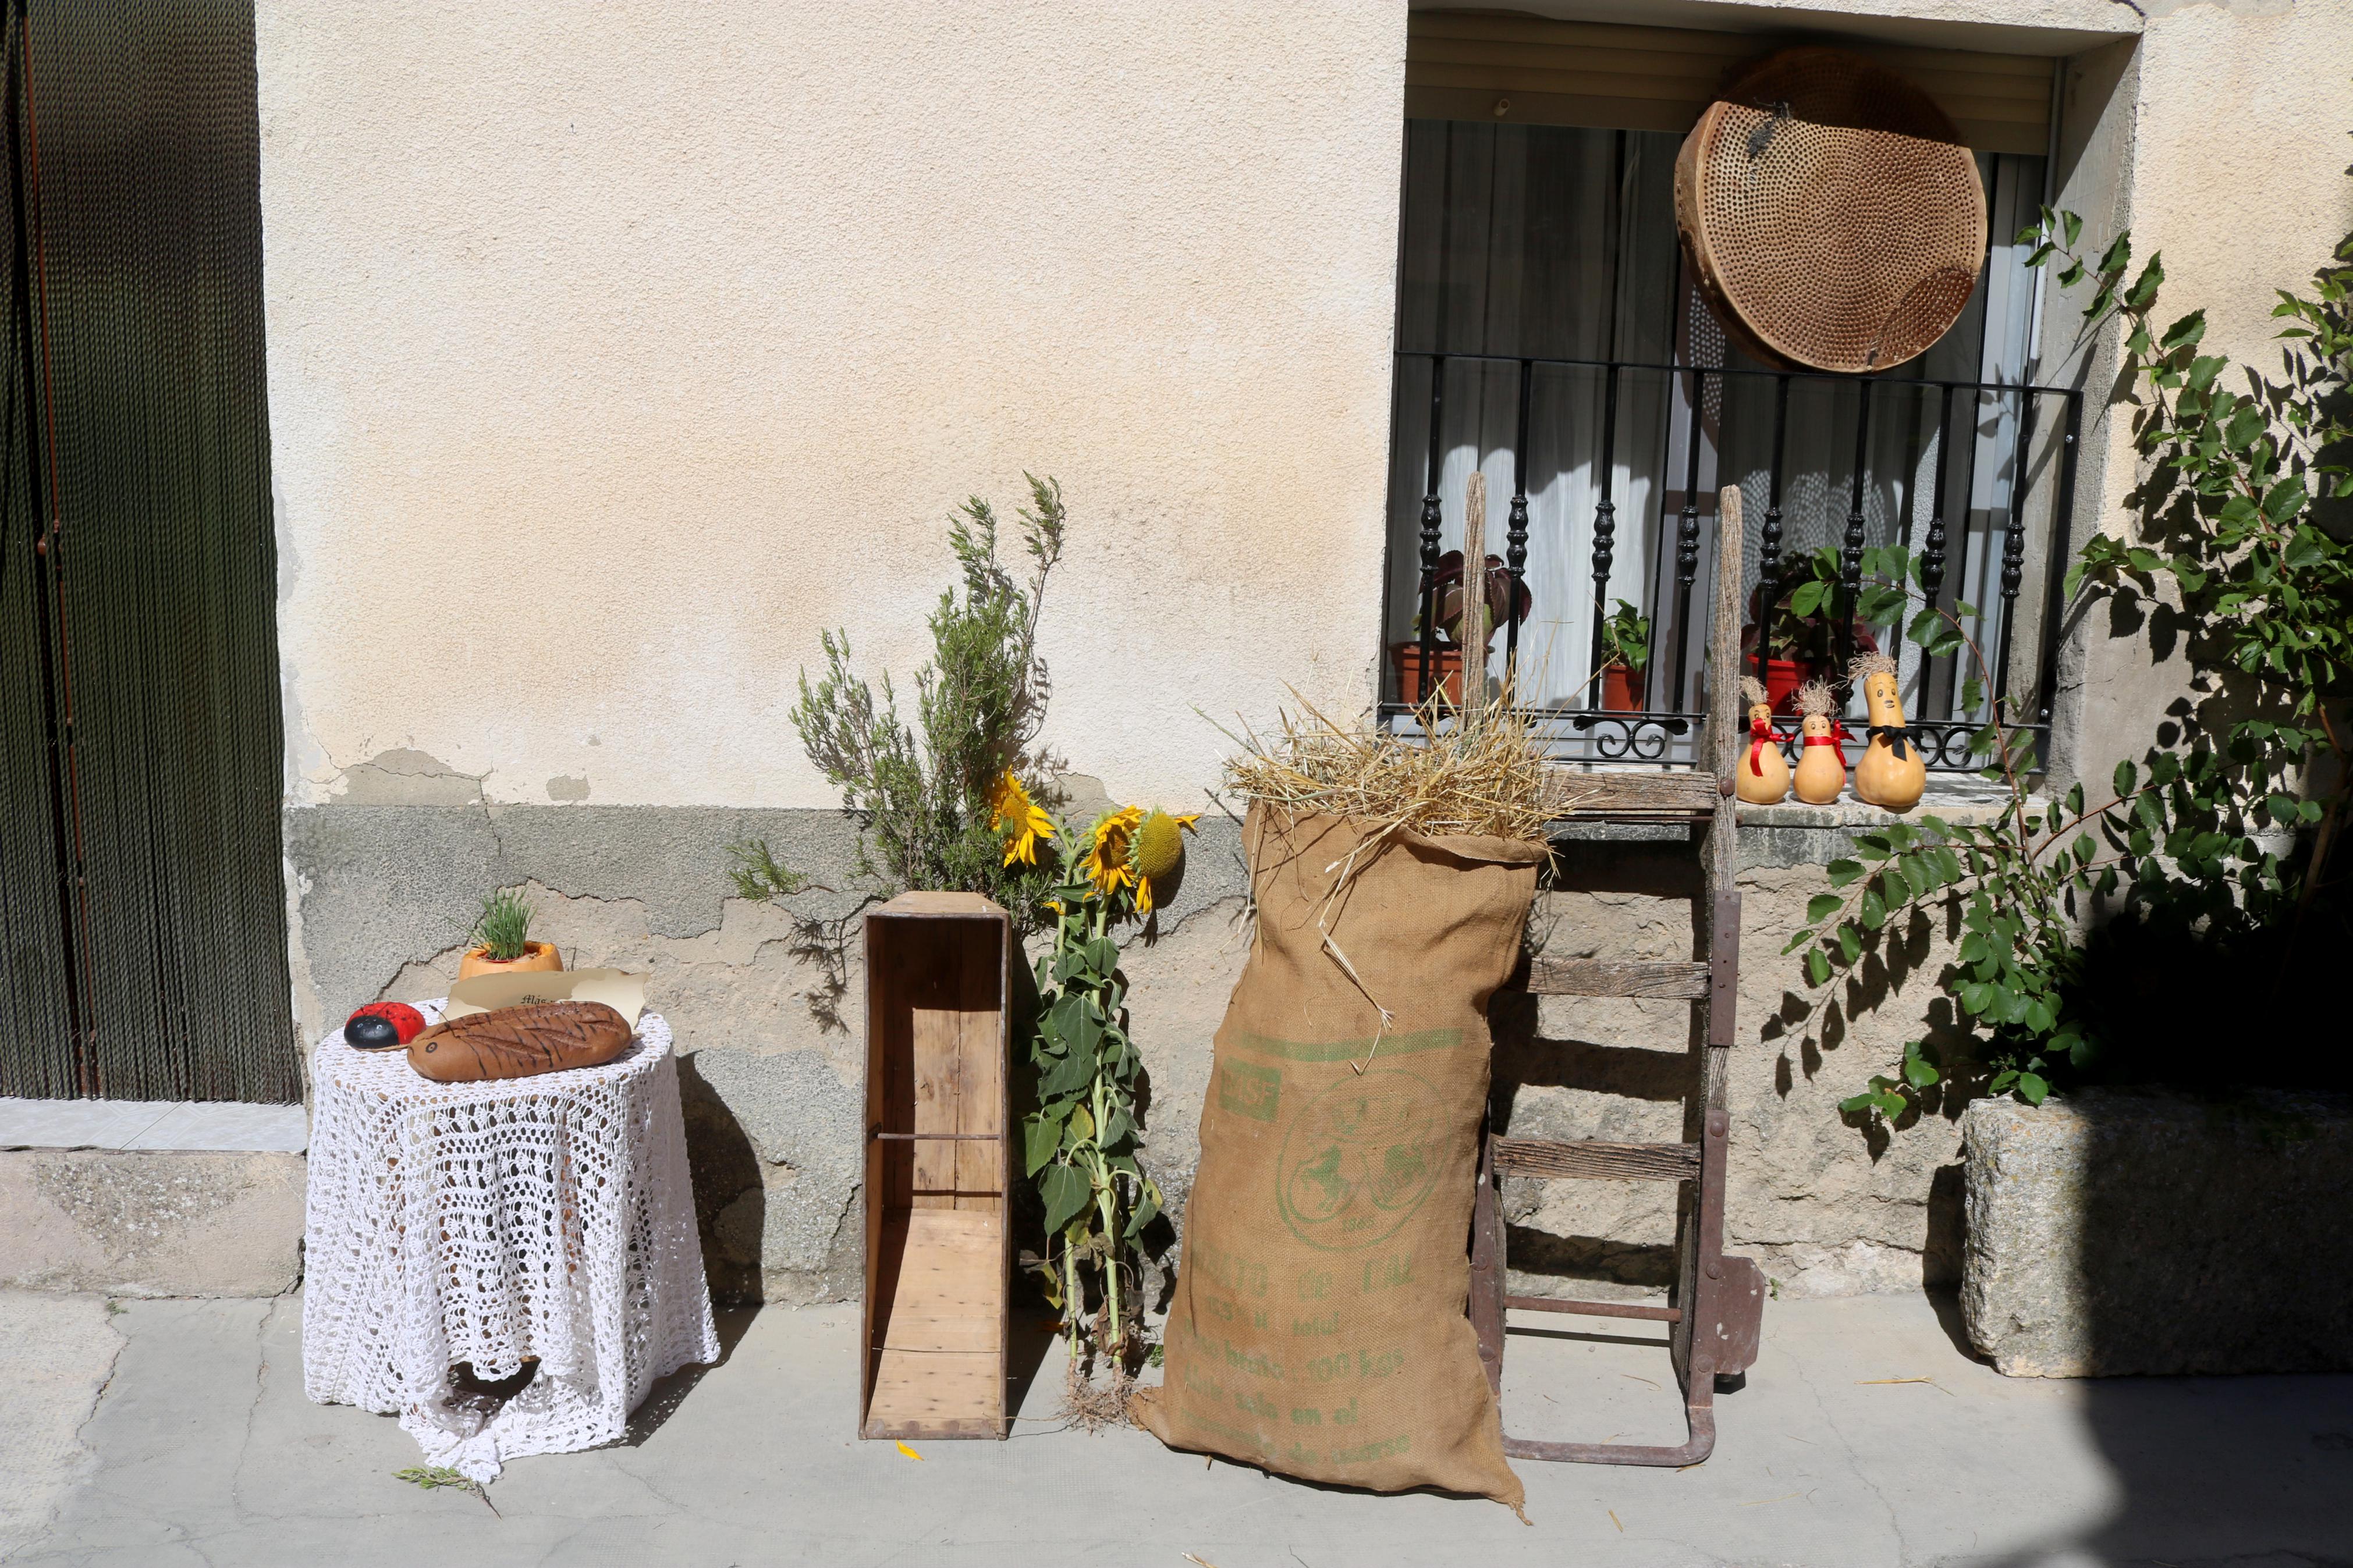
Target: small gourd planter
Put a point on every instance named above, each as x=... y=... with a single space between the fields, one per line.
x=537 y=957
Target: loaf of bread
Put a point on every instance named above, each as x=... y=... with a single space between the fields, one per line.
x=520 y=1042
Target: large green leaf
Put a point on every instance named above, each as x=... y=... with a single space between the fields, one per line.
x=1068 y=1076
x=1065 y=1191
x=1040 y=1138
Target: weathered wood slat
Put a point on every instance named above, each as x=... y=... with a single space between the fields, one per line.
x=1579 y=793
x=1597 y=1308
x=1598 y=1161
x=1684 y=982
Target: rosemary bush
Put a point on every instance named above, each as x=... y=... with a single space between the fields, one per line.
x=920 y=794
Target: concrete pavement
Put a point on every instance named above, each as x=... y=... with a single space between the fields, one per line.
x=201 y=1451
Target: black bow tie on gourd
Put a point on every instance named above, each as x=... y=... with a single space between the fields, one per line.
x=1897 y=735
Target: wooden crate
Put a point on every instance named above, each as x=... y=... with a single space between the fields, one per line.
x=939 y=1259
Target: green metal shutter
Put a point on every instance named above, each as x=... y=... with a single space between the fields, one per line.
x=138 y=232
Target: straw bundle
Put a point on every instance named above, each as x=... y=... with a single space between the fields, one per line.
x=1477 y=771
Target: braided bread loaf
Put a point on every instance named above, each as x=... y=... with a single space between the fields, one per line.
x=520 y=1042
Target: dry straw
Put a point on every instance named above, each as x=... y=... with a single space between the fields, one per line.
x=1752 y=690
x=1477 y=771
x=1870 y=664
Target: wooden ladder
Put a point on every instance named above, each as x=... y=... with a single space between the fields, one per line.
x=1717 y=1310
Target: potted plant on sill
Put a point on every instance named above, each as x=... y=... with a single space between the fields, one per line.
x=1625 y=656
x=1803 y=643
x=500 y=940
x=1445 y=673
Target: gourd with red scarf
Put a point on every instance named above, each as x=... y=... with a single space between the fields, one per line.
x=1822 y=767
x=1762 y=774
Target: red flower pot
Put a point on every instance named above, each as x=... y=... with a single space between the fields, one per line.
x=1782 y=678
x=1621 y=690
x=1445 y=665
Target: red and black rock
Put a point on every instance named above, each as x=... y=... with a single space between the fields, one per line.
x=382 y=1024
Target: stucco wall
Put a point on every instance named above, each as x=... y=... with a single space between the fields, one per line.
x=616 y=351
x=2219 y=136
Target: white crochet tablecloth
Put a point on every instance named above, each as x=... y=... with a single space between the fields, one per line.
x=488 y=1223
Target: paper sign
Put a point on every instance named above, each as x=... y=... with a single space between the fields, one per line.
x=623 y=993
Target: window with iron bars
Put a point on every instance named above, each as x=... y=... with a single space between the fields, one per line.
x=1548 y=337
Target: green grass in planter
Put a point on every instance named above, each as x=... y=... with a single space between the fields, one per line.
x=503 y=929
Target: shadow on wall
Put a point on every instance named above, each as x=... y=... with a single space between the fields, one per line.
x=731 y=1200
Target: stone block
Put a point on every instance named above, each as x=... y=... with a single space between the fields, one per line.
x=2124 y=1232
x=151 y=1223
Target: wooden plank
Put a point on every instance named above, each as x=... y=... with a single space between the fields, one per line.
x=980 y=1166
x=1598 y=1161
x=937 y=1052
x=1597 y=792
x=923 y=905
x=937 y=1344
x=1685 y=981
x=1474 y=591
x=1596 y=1309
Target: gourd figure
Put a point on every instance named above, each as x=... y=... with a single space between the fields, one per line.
x=1822 y=766
x=1762 y=776
x=1890 y=773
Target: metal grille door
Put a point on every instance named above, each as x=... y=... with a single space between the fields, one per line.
x=141 y=751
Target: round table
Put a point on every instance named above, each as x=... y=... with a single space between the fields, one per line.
x=547 y=1218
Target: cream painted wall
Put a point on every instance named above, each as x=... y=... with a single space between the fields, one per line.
x=617 y=349
x=2223 y=146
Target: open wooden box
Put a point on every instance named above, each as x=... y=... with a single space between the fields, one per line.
x=939 y=1260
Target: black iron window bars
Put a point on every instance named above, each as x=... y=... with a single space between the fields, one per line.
x=2039 y=426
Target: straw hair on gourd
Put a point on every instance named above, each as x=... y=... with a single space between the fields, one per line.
x=1814 y=699
x=1752 y=690
x=1476 y=771
x=1869 y=664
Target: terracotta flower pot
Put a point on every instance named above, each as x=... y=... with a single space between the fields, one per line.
x=1446 y=665
x=537 y=955
x=1782 y=678
x=1621 y=690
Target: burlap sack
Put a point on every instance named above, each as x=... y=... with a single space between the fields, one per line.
x=1318 y=1324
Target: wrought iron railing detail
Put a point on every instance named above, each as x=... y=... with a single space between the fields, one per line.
x=1991 y=423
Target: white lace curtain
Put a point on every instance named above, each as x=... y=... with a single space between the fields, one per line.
x=1558 y=243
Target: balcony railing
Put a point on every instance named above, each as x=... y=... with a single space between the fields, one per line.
x=1975 y=480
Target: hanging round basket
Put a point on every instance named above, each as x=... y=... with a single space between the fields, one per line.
x=1831 y=216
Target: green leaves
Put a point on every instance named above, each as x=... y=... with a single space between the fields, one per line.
x=1065 y=1190
x=1080 y=1146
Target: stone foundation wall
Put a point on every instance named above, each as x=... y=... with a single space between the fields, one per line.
x=768 y=1009
x=2127 y=1232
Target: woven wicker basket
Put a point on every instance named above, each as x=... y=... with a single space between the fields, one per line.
x=1832 y=217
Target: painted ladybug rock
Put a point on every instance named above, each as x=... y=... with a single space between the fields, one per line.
x=380 y=1025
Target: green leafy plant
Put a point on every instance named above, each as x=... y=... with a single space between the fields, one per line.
x=1803 y=625
x=2229 y=832
x=1081 y=1144
x=503 y=930
x=2230 y=518
x=922 y=793
x=1626 y=638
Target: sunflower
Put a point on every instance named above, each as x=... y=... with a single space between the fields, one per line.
x=1106 y=861
x=1156 y=857
x=1012 y=813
